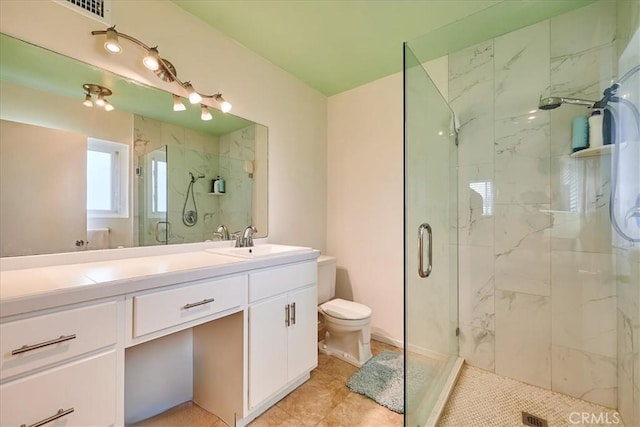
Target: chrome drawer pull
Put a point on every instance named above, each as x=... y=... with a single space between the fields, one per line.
x=293 y=313
x=195 y=304
x=26 y=348
x=61 y=413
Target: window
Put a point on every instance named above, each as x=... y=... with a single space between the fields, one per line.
x=485 y=190
x=156 y=179
x=159 y=185
x=107 y=178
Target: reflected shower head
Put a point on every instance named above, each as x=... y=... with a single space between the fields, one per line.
x=195 y=178
x=555 y=101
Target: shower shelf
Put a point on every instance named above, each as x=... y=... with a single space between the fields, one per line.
x=596 y=151
x=216 y=194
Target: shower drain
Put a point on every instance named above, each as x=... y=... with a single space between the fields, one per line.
x=533 y=421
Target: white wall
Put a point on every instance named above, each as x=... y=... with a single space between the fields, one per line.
x=364 y=196
x=294 y=113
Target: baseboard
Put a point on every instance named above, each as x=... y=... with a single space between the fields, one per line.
x=412 y=348
x=387 y=340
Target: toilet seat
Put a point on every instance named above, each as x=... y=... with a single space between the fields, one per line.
x=345 y=310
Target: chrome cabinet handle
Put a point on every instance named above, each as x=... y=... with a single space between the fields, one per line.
x=287 y=316
x=293 y=313
x=421 y=270
x=26 y=348
x=195 y=304
x=61 y=413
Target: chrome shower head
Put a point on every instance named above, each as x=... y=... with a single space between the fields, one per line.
x=550 y=103
x=555 y=101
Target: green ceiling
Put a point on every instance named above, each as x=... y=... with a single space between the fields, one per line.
x=336 y=45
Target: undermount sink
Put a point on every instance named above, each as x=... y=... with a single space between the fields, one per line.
x=260 y=251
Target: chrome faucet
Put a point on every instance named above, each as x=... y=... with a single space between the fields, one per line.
x=246 y=238
x=222 y=232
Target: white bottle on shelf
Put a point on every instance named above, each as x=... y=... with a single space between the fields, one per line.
x=595 y=129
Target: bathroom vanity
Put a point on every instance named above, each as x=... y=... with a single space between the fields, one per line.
x=70 y=334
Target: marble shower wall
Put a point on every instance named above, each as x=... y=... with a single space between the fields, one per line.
x=236 y=149
x=628 y=254
x=187 y=151
x=536 y=273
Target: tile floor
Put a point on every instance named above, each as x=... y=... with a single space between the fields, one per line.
x=323 y=401
x=480 y=398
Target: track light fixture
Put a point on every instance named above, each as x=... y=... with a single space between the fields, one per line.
x=163 y=69
x=100 y=92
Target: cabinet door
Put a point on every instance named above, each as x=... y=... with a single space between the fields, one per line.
x=83 y=391
x=302 y=348
x=267 y=349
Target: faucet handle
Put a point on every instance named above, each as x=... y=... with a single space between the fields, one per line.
x=237 y=236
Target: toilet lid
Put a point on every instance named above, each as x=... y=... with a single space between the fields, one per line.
x=347 y=310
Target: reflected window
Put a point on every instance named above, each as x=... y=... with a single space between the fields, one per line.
x=107 y=178
x=485 y=190
x=158 y=185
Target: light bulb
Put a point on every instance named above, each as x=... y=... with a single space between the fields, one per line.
x=224 y=105
x=177 y=104
x=111 y=44
x=206 y=115
x=87 y=101
x=108 y=106
x=100 y=101
x=194 y=97
x=151 y=60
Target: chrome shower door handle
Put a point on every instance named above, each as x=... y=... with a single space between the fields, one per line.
x=421 y=271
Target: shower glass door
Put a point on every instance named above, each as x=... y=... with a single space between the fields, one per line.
x=431 y=255
x=153 y=226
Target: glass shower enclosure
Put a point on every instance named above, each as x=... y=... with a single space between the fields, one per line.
x=431 y=255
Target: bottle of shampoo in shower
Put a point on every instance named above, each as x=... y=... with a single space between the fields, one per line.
x=595 y=129
x=221 y=188
x=580 y=134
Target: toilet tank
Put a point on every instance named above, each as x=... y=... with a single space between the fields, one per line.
x=326 y=278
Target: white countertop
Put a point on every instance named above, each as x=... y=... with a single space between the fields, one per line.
x=30 y=289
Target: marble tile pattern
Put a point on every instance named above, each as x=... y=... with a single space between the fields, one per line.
x=236 y=205
x=523 y=337
x=551 y=280
x=523 y=249
x=471 y=90
x=584 y=302
x=200 y=154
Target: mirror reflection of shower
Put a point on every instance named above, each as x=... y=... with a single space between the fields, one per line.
x=190 y=217
x=630 y=134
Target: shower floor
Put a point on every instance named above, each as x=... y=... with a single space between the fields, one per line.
x=482 y=398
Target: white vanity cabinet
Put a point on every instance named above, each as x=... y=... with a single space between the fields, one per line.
x=282 y=328
x=61 y=365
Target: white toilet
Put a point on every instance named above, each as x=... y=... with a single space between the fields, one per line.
x=347 y=323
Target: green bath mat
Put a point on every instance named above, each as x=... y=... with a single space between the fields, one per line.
x=381 y=379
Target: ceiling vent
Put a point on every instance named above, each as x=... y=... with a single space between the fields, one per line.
x=96 y=9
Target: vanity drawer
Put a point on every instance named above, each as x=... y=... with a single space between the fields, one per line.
x=266 y=283
x=84 y=389
x=38 y=341
x=159 y=310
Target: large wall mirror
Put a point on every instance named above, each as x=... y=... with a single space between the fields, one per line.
x=74 y=177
